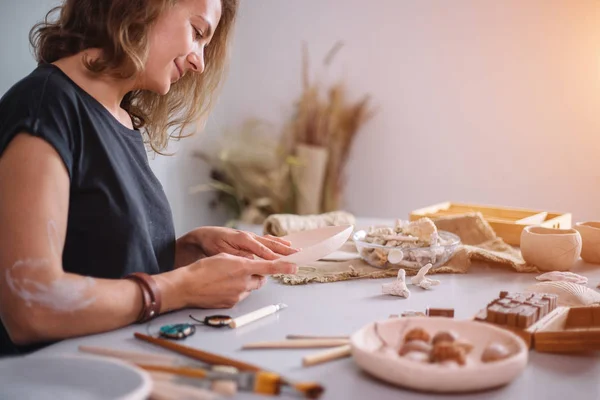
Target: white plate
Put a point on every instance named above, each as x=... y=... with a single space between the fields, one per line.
x=70 y=377
x=317 y=243
x=473 y=376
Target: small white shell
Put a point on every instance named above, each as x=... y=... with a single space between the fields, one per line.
x=395 y=256
x=417 y=356
x=569 y=294
x=563 y=276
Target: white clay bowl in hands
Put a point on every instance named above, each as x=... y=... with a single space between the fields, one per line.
x=590 y=238
x=550 y=249
x=430 y=377
x=317 y=243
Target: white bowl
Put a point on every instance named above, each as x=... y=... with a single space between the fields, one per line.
x=72 y=377
x=473 y=376
x=317 y=243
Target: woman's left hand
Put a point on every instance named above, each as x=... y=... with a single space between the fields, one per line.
x=213 y=240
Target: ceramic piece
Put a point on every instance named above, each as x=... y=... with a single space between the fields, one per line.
x=317 y=243
x=550 y=249
x=475 y=375
x=569 y=294
x=341 y=255
x=72 y=377
x=590 y=236
x=563 y=276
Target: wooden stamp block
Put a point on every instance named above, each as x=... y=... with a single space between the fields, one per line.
x=440 y=312
x=512 y=317
x=481 y=315
x=526 y=317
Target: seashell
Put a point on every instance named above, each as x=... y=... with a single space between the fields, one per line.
x=449 y=364
x=495 y=352
x=445 y=351
x=569 y=294
x=417 y=334
x=444 y=336
x=418 y=356
x=563 y=276
x=415 y=345
x=395 y=256
x=466 y=346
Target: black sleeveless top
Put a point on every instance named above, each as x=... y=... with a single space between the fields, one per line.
x=119 y=218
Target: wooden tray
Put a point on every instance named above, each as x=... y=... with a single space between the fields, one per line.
x=564 y=330
x=508 y=223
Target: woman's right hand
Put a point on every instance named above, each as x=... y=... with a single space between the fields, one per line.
x=223 y=280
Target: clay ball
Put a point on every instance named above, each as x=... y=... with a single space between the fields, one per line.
x=417 y=334
x=415 y=345
x=418 y=356
x=495 y=352
x=444 y=336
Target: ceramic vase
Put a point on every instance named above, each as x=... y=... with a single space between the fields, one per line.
x=590 y=236
x=550 y=249
x=309 y=177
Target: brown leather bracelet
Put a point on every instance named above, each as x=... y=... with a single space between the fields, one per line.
x=150 y=295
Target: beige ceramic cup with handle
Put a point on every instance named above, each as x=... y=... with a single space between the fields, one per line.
x=550 y=249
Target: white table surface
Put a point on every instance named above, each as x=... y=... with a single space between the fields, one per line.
x=341 y=308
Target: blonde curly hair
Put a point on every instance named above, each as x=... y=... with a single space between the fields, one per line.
x=120 y=29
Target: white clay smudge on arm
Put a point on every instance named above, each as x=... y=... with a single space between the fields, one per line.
x=63 y=294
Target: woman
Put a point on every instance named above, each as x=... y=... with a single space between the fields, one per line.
x=87 y=240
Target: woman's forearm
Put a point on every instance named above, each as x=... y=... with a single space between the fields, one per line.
x=41 y=308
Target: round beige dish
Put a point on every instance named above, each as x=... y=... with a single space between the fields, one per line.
x=590 y=237
x=550 y=249
x=382 y=360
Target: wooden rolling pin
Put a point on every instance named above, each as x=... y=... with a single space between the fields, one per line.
x=327 y=355
x=297 y=344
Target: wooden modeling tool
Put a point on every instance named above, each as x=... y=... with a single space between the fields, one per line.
x=268 y=382
x=315 y=337
x=327 y=355
x=297 y=344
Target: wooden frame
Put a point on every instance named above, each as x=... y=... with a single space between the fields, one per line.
x=507 y=222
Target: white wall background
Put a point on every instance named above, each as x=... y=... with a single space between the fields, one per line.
x=480 y=101
x=483 y=101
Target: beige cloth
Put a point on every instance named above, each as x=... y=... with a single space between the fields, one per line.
x=284 y=224
x=478 y=243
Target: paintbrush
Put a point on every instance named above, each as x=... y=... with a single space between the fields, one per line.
x=244 y=381
x=272 y=382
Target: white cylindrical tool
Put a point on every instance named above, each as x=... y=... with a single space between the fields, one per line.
x=255 y=315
